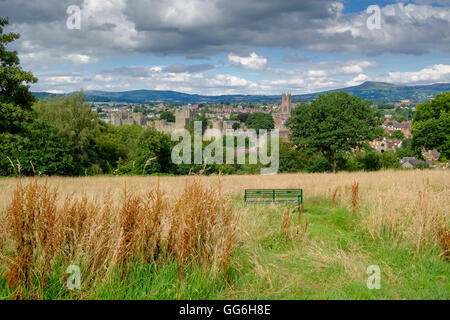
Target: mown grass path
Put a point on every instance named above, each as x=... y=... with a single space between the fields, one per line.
x=330 y=261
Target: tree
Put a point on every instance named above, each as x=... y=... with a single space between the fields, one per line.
x=153 y=153
x=39 y=149
x=333 y=124
x=389 y=160
x=431 y=125
x=259 y=121
x=168 y=116
x=75 y=120
x=292 y=159
x=398 y=134
x=236 y=126
x=242 y=117
x=116 y=145
x=406 y=149
x=15 y=98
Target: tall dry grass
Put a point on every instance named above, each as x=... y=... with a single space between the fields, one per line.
x=415 y=213
x=43 y=230
x=95 y=223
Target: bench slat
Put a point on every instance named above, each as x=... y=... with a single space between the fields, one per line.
x=261 y=196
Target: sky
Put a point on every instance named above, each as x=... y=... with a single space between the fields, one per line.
x=229 y=46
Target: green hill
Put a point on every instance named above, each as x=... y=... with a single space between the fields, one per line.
x=375 y=91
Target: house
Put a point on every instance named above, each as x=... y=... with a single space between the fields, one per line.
x=432 y=155
x=392 y=126
x=411 y=162
x=385 y=145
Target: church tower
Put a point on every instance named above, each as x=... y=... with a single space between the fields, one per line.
x=286 y=104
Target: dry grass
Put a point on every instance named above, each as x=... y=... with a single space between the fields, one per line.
x=299 y=230
x=42 y=230
x=94 y=222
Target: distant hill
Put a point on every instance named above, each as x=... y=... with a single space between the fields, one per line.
x=387 y=92
x=375 y=91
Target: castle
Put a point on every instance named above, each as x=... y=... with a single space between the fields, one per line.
x=124 y=118
x=183 y=118
x=185 y=115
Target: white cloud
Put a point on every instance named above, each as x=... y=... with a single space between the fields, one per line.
x=360 y=78
x=252 y=62
x=81 y=58
x=431 y=74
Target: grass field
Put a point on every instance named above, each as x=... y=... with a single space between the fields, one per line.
x=192 y=237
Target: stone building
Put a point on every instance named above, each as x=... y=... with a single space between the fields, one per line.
x=164 y=126
x=184 y=117
x=125 y=118
x=286 y=104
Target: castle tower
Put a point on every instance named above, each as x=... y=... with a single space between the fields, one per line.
x=286 y=104
x=184 y=117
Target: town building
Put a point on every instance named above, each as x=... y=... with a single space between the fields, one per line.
x=385 y=145
x=125 y=118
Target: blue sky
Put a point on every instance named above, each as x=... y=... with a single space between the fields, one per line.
x=226 y=46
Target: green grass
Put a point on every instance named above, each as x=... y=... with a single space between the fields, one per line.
x=330 y=262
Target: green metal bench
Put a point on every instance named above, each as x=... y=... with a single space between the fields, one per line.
x=264 y=196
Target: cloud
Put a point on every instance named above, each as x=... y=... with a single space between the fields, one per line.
x=359 y=79
x=252 y=62
x=81 y=58
x=197 y=29
x=180 y=68
x=406 y=29
x=200 y=29
x=431 y=74
x=33 y=11
x=294 y=58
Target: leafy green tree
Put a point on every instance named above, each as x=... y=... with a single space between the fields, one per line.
x=406 y=150
x=23 y=142
x=116 y=145
x=236 y=126
x=41 y=149
x=354 y=163
x=153 y=153
x=77 y=122
x=168 y=116
x=15 y=98
x=389 y=160
x=242 y=117
x=371 y=160
x=398 y=134
x=431 y=125
x=319 y=164
x=333 y=124
x=259 y=121
x=292 y=159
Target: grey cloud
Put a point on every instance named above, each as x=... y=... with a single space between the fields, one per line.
x=199 y=29
x=173 y=27
x=207 y=28
x=104 y=27
x=294 y=58
x=31 y=11
x=180 y=68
